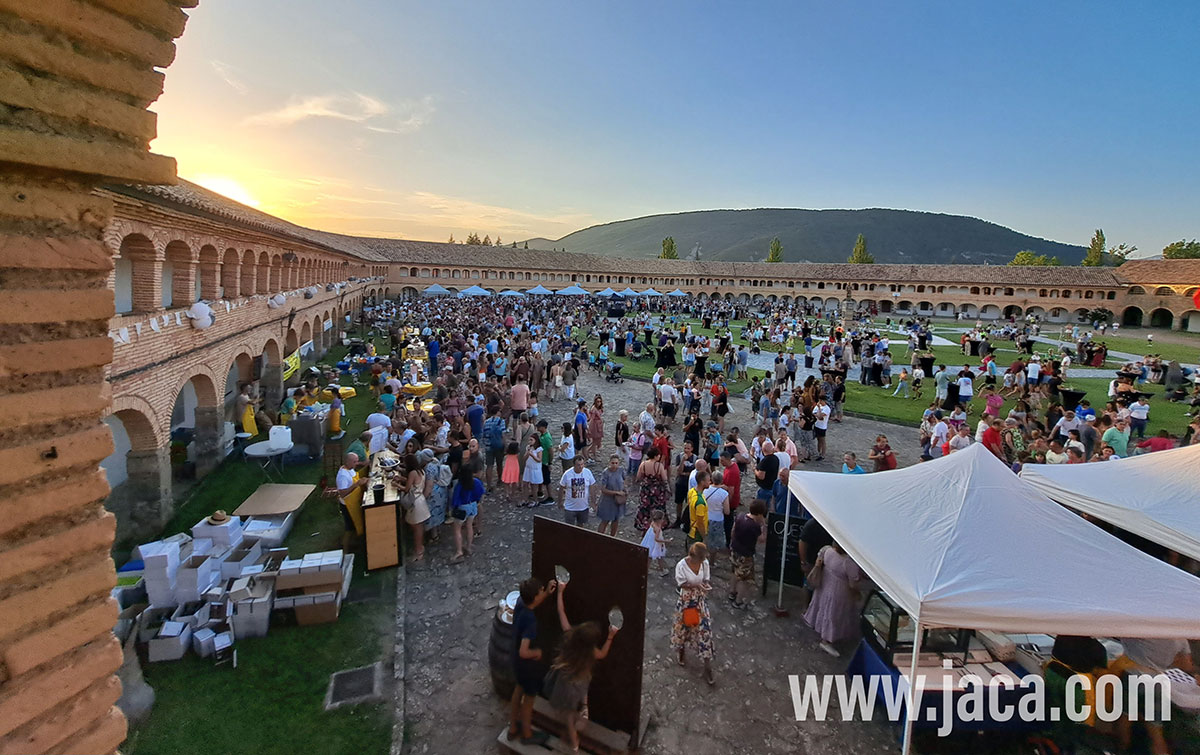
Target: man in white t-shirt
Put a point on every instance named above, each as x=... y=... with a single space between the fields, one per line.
x=941 y=433
x=346 y=485
x=1066 y=423
x=716 y=497
x=668 y=397
x=574 y=493
x=821 y=426
x=378 y=419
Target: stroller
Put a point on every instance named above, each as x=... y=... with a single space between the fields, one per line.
x=612 y=372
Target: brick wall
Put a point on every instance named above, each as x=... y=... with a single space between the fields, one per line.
x=75 y=81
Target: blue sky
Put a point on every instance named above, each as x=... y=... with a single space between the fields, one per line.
x=419 y=120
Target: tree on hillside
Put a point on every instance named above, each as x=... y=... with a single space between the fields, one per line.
x=451 y=241
x=498 y=242
x=775 y=254
x=473 y=239
x=487 y=241
x=515 y=245
x=1033 y=259
x=1095 y=252
x=1119 y=253
x=526 y=244
x=668 y=249
x=1182 y=250
x=860 y=255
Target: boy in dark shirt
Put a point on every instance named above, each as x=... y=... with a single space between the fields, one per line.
x=526 y=659
x=749 y=530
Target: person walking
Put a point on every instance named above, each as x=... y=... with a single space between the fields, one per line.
x=692 y=627
x=833 y=611
x=655 y=491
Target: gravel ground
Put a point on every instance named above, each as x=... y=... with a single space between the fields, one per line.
x=451 y=706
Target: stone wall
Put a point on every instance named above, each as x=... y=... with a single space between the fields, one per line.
x=75 y=81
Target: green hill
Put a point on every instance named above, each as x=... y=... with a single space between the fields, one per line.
x=902 y=236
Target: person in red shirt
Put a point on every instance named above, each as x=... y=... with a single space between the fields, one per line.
x=1160 y=442
x=993 y=441
x=662 y=442
x=731 y=480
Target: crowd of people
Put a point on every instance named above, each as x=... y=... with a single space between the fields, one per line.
x=686 y=471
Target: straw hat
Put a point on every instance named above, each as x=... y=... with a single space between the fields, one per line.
x=218 y=517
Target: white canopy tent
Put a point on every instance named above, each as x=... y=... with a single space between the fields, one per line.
x=475 y=291
x=1153 y=495
x=963 y=542
x=436 y=290
x=538 y=289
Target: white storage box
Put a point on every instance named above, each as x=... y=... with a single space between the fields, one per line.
x=173 y=640
x=195 y=576
x=244 y=555
x=280 y=436
x=252 y=614
x=225 y=534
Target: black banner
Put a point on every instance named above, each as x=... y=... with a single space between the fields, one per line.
x=792 y=573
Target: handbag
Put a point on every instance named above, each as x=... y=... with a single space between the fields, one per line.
x=817 y=573
x=691 y=616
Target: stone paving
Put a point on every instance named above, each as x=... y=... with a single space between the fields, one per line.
x=450 y=704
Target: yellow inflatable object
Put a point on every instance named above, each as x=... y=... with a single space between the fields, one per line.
x=345 y=393
x=248 y=423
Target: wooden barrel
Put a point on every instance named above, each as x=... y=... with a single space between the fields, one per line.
x=500 y=649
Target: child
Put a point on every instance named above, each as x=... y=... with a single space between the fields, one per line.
x=571 y=674
x=655 y=543
x=532 y=411
x=511 y=474
x=533 y=470
x=526 y=662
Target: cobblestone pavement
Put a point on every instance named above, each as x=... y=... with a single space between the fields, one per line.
x=451 y=707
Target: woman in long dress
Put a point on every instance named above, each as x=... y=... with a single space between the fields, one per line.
x=833 y=611
x=655 y=492
x=692 y=627
x=595 y=417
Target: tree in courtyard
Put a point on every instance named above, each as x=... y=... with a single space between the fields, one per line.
x=1182 y=250
x=775 y=253
x=1033 y=259
x=669 y=252
x=1095 y=253
x=451 y=241
x=1100 y=314
x=860 y=255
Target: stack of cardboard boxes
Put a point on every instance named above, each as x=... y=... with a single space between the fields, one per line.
x=218 y=586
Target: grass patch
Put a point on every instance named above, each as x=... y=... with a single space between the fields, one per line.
x=273 y=701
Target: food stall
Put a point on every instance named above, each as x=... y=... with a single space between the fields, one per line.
x=382 y=512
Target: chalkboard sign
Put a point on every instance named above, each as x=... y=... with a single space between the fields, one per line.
x=792 y=573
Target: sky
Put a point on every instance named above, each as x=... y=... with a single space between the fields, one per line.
x=519 y=119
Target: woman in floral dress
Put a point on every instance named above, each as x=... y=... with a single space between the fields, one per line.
x=655 y=492
x=595 y=426
x=693 y=623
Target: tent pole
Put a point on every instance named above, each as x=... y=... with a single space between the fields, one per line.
x=783 y=546
x=912 y=707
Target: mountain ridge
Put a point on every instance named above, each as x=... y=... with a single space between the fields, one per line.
x=901 y=236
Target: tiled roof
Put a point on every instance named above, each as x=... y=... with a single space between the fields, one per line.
x=1164 y=272
x=192 y=197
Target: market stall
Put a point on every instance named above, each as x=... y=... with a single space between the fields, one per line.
x=1151 y=495
x=962 y=542
x=382 y=512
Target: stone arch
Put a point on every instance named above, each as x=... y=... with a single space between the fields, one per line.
x=1136 y=291
x=1036 y=312
x=262 y=280
x=138 y=470
x=305 y=332
x=1162 y=318
x=209 y=276
x=989 y=312
x=1190 y=321
x=408 y=292
x=1081 y=314
x=1057 y=314
x=885 y=306
x=1164 y=291
x=904 y=306
x=275 y=276
x=231 y=270
x=1132 y=317
x=1013 y=310
x=946 y=308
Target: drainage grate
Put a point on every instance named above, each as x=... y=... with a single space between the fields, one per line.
x=353 y=686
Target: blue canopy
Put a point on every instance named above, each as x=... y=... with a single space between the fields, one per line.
x=650 y=292
x=510 y=292
x=629 y=292
x=538 y=289
x=606 y=293
x=677 y=292
x=572 y=290
x=436 y=290
x=475 y=291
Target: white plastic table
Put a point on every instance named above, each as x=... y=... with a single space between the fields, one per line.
x=266 y=455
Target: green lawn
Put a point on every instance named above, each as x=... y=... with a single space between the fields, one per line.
x=878 y=402
x=272 y=702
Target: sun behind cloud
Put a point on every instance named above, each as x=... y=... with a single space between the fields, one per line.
x=227 y=186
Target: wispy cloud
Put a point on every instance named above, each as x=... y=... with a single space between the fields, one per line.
x=229 y=76
x=355 y=107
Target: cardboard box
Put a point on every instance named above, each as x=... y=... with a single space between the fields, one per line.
x=239 y=589
x=240 y=557
x=314 y=569
x=195 y=576
x=316 y=606
x=195 y=614
x=151 y=620
x=225 y=534
x=172 y=642
x=202 y=642
x=252 y=614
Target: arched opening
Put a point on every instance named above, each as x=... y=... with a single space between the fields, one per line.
x=904 y=307
x=262 y=281
x=1081 y=314
x=1161 y=318
x=208 y=282
x=1190 y=321
x=1164 y=291
x=1012 y=310
x=989 y=312
x=196 y=429
x=138 y=475
x=178 y=276
x=1131 y=317
x=136 y=277
x=969 y=310
x=885 y=306
x=231 y=270
x=1136 y=291
x=276 y=278
x=249 y=273
x=1057 y=314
